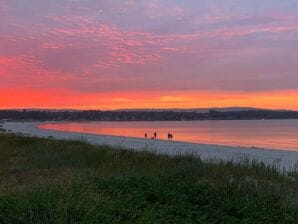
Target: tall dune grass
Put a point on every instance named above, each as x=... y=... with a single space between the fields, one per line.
x=51 y=181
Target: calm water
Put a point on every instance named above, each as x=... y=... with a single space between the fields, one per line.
x=274 y=134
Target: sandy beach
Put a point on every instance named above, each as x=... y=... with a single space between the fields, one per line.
x=286 y=160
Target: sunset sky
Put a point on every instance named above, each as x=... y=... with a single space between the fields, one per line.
x=109 y=54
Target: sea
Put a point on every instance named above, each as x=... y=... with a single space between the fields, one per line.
x=269 y=134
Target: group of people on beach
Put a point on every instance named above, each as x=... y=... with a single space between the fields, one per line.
x=170 y=136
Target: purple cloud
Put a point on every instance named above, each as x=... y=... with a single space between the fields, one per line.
x=152 y=45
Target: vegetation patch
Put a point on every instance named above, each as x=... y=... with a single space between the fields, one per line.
x=51 y=181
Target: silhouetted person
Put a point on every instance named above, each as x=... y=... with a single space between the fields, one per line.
x=155 y=134
x=145 y=135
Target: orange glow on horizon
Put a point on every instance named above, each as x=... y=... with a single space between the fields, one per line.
x=153 y=55
x=61 y=99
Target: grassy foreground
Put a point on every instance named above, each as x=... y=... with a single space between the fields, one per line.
x=49 y=181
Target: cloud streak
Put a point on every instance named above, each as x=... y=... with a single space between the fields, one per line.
x=108 y=47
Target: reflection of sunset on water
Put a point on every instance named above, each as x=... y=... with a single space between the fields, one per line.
x=275 y=134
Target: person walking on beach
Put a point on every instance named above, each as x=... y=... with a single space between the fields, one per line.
x=155 y=134
x=145 y=135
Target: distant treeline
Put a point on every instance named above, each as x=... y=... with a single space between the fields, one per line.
x=96 y=115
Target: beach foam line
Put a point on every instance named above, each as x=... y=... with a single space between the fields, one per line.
x=284 y=159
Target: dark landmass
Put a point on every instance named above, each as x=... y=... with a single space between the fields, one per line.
x=96 y=115
x=198 y=110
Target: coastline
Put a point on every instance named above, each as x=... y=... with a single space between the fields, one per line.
x=285 y=160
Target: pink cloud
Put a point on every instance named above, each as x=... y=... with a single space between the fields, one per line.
x=79 y=46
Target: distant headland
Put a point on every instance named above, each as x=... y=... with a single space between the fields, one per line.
x=231 y=113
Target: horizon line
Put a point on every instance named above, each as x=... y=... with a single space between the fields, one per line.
x=145 y=109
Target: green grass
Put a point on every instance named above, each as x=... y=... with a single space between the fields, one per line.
x=50 y=181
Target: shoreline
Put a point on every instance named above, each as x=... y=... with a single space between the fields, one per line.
x=284 y=159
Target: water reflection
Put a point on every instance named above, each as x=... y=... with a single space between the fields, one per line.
x=275 y=134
